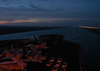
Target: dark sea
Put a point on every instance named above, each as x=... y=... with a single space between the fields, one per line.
x=90 y=43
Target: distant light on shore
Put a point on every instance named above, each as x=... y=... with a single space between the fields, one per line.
x=89 y=27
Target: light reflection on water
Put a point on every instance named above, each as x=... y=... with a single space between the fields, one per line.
x=89 y=42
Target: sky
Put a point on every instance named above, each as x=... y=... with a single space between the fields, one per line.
x=50 y=12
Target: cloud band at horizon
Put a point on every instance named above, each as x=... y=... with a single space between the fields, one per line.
x=46 y=20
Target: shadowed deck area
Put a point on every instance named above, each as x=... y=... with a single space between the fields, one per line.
x=58 y=48
x=62 y=49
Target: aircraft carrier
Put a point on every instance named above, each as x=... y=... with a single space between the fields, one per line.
x=58 y=54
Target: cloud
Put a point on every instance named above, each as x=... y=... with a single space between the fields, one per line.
x=37 y=8
x=33 y=6
x=47 y=20
x=9 y=9
x=6 y=0
x=48 y=10
x=53 y=22
x=21 y=6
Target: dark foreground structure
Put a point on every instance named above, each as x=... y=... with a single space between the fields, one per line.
x=59 y=50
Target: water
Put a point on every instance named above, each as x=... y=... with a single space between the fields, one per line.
x=89 y=42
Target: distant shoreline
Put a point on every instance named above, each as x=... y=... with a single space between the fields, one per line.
x=95 y=31
x=14 y=29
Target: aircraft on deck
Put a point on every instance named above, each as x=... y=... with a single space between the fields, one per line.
x=10 y=65
x=17 y=57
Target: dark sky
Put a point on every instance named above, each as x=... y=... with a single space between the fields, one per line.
x=50 y=12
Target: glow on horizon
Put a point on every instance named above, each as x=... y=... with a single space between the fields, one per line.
x=41 y=20
x=49 y=20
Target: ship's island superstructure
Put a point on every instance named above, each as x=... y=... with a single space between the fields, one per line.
x=40 y=53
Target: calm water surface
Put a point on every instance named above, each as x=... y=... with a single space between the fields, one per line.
x=89 y=42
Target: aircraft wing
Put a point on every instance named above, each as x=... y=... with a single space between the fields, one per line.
x=4 y=66
x=8 y=62
x=20 y=63
x=38 y=60
x=11 y=66
x=37 y=56
x=5 y=58
x=15 y=66
x=33 y=60
x=1 y=55
x=27 y=60
x=42 y=57
x=7 y=54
